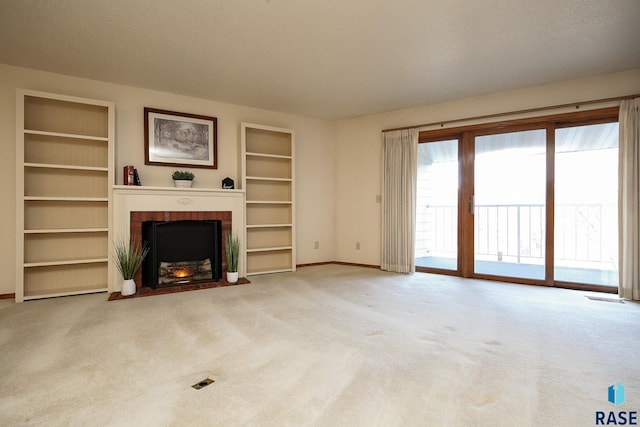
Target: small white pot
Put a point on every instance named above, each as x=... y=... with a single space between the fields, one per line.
x=128 y=287
x=232 y=277
x=182 y=182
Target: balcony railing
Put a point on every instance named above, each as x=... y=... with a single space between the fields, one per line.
x=585 y=234
x=510 y=232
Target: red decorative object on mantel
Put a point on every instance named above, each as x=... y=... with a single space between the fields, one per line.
x=128 y=175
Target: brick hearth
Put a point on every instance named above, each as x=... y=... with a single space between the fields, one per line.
x=147 y=292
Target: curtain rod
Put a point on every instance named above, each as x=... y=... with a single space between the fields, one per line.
x=513 y=113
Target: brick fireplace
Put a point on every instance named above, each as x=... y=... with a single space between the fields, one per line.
x=134 y=205
x=137 y=218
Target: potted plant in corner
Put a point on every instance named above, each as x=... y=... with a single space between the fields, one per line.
x=183 y=178
x=128 y=257
x=232 y=250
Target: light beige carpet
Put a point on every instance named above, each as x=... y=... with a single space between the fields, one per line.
x=327 y=346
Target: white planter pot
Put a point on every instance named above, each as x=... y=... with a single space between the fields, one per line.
x=182 y=182
x=232 y=277
x=128 y=287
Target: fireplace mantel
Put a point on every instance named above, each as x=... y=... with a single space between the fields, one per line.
x=127 y=199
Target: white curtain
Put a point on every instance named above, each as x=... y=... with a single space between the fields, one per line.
x=399 y=177
x=629 y=200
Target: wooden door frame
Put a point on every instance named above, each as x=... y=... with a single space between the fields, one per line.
x=466 y=157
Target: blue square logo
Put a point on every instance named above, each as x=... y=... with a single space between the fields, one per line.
x=616 y=394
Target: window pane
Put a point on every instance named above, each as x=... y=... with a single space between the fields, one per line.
x=586 y=205
x=437 y=205
x=510 y=199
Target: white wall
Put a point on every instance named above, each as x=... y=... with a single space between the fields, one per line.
x=359 y=148
x=315 y=168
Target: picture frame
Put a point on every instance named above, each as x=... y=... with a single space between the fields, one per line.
x=180 y=139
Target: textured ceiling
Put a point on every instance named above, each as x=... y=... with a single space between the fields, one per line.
x=323 y=58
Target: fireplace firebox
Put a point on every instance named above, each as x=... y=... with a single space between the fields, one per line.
x=182 y=252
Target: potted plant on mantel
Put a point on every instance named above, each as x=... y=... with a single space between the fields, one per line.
x=232 y=250
x=183 y=178
x=128 y=257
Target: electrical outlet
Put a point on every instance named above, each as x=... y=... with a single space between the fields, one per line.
x=378 y=198
x=316 y=245
x=357 y=246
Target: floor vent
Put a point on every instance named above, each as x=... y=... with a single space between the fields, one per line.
x=202 y=384
x=618 y=300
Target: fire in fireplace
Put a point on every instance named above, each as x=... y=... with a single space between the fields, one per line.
x=181 y=272
x=182 y=252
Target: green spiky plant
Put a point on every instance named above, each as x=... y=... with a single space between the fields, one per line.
x=128 y=257
x=183 y=176
x=232 y=249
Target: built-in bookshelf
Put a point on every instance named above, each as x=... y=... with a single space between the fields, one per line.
x=64 y=162
x=268 y=178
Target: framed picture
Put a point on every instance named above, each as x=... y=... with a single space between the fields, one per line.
x=179 y=139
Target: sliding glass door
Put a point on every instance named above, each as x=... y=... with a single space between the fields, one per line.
x=586 y=204
x=437 y=205
x=529 y=201
x=509 y=204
